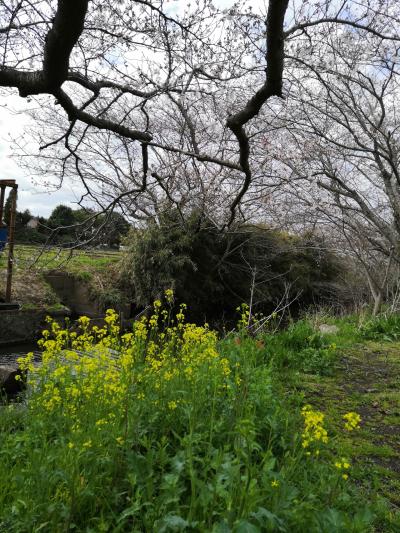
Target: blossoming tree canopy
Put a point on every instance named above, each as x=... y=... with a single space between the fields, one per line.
x=140 y=101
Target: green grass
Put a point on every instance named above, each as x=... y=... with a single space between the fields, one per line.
x=33 y=262
x=365 y=380
x=45 y=259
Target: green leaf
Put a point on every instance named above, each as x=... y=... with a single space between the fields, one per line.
x=221 y=527
x=173 y=523
x=246 y=527
x=267 y=519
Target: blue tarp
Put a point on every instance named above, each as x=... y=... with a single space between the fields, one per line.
x=3 y=237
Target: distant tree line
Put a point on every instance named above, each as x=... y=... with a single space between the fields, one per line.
x=66 y=226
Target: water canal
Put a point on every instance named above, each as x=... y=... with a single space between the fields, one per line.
x=9 y=353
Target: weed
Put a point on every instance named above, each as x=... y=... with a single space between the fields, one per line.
x=301 y=347
x=383 y=327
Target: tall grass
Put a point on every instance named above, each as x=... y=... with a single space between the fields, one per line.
x=302 y=347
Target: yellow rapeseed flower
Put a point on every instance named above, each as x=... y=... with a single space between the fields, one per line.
x=169 y=295
x=100 y=367
x=314 y=430
x=352 y=421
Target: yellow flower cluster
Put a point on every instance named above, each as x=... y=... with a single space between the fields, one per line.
x=314 y=430
x=26 y=363
x=343 y=465
x=352 y=421
x=169 y=296
x=98 y=366
x=244 y=312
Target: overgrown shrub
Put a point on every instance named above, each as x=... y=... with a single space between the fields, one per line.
x=217 y=271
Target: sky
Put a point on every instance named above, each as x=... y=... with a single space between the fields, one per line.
x=37 y=199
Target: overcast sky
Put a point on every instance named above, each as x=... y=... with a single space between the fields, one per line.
x=35 y=198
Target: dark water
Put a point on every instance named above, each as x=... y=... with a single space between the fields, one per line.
x=13 y=351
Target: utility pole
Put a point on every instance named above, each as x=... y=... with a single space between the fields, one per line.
x=11 y=230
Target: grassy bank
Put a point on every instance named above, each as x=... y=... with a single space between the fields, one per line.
x=31 y=263
x=180 y=431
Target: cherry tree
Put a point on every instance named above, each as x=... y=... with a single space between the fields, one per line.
x=342 y=161
x=142 y=102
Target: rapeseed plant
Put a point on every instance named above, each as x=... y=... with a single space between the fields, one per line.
x=352 y=421
x=160 y=428
x=314 y=431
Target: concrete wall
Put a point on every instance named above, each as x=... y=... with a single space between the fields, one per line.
x=18 y=326
x=74 y=293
